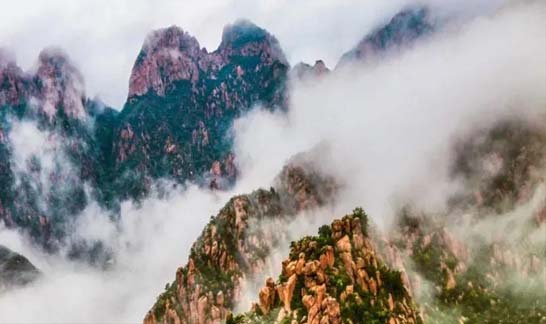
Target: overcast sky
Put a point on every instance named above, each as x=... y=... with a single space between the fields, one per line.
x=103 y=37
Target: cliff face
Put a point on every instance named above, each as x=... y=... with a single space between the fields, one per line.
x=233 y=246
x=335 y=277
x=183 y=99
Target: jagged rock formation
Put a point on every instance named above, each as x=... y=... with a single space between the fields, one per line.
x=402 y=30
x=336 y=277
x=233 y=247
x=182 y=100
x=15 y=269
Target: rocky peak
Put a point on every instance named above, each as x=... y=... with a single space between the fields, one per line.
x=403 y=29
x=172 y=54
x=168 y=55
x=59 y=84
x=172 y=37
x=245 y=38
x=334 y=277
x=183 y=101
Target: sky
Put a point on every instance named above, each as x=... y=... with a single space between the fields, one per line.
x=103 y=37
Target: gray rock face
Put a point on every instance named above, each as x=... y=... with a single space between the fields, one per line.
x=15 y=269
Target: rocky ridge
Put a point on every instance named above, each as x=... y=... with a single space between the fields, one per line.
x=233 y=246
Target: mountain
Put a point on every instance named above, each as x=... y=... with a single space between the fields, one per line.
x=183 y=99
x=234 y=245
x=175 y=125
x=423 y=269
x=402 y=30
x=15 y=270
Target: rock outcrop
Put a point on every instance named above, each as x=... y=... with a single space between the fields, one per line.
x=335 y=277
x=15 y=270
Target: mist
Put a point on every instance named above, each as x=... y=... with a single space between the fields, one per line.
x=390 y=125
x=387 y=124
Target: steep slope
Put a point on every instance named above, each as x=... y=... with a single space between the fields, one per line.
x=183 y=100
x=336 y=277
x=233 y=246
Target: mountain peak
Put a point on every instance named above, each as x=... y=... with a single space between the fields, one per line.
x=59 y=83
x=172 y=37
x=171 y=54
x=243 y=37
x=242 y=31
x=168 y=54
x=402 y=29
